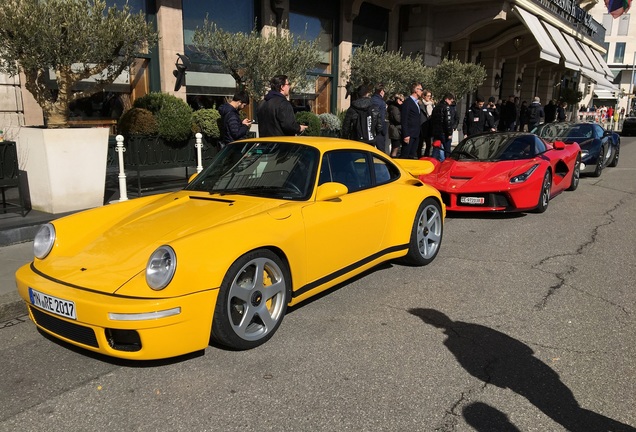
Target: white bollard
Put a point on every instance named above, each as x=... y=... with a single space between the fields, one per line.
x=123 y=194
x=199 y=145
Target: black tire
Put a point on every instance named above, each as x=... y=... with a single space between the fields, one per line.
x=617 y=153
x=576 y=174
x=544 y=195
x=599 y=163
x=250 y=308
x=426 y=234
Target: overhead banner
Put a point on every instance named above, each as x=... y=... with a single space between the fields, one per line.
x=617 y=8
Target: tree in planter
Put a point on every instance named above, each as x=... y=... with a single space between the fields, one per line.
x=253 y=59
x=456 y=77
x=76 y=40
x=371 y=64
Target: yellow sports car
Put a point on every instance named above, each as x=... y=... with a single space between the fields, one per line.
x=270 y=223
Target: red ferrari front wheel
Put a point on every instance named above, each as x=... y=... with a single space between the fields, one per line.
x=544 y=196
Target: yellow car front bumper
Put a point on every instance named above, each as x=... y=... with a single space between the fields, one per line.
x=124 y=327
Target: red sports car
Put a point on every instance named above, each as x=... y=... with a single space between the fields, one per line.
x=505 y=172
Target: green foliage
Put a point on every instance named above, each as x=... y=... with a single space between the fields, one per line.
x=253 y=59
x=571 y=96
x=137 y=121
x=75 y=39
x=310 y=119
x=207 y=122
x=453 y=76
x=173 y=115
x=330 y=122
x=371 y=64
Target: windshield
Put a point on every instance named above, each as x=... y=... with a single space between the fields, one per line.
x=567 y=132
x=498 y=147
x=264 y=169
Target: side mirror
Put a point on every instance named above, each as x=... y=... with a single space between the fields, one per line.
x=558 y=145
x=330 y=190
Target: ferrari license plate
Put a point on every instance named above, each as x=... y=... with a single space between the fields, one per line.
x=52 y=304
x=471 y=200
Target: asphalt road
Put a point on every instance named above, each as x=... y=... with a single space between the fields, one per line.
x=522 y=323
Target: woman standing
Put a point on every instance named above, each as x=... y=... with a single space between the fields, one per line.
x=395 y=120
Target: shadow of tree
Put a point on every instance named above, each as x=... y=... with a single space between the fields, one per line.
x=502 y=361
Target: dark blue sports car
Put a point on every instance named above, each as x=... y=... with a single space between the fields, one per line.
x=599 y=147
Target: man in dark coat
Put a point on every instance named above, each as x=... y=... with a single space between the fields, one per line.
x=233 y=127
x=378 y=100
x=442 y=123
x=535 y=113
x=550 y=111
x=276 y=113
x=411 y=122
x=477 y=119
x=362 y=109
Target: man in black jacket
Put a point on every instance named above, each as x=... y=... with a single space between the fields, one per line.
x=442 y=127
x=233 y=127
x=276 y=113
x=477 y=119
x=362 y=119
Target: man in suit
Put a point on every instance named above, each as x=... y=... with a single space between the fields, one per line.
x=411 y=122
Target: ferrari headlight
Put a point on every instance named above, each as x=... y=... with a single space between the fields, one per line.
x=161 y=267
x=44 y=241
x=523 y=177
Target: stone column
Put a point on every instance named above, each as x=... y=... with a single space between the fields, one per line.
x=169 y=18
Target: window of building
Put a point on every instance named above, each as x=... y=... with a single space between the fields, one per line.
x=207 y=84
x=619 y=52
x=606 y=54
x=623 y=25
x=316 y=21
x=607 y=23
x=371 y=25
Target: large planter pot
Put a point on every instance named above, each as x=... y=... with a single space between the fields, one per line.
x=66 y=168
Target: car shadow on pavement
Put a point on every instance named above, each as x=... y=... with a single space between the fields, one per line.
x=500 y=360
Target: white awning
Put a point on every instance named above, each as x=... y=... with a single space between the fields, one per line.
x=570 y=59
x=588 y=52
x=548 y=50
x=576 y=48
x=604 y=94
x=602 y=83
x=608 y=72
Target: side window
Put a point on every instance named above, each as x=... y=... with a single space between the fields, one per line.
x=384 y=172
x=539 y=146
x=598 y=131
x=347 y=167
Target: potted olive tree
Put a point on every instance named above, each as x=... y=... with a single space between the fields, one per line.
x=54 y=45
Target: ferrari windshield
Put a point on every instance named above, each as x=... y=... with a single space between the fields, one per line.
x=498 y=147
x=263 y=169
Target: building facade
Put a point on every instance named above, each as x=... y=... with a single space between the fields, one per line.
x=546 y=48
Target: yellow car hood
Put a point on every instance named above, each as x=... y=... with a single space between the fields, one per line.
x=116 y=246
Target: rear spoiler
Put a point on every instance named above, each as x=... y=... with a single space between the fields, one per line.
x=416 y=167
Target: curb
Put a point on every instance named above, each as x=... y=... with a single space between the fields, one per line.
x=19 y=234
x=12 y=310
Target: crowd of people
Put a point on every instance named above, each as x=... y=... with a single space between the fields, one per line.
x=420 y=126
x=405 y=126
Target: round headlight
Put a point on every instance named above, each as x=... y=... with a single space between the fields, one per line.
x=44 y=241
x=161 y=267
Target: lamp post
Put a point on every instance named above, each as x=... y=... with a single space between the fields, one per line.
x=631 y=86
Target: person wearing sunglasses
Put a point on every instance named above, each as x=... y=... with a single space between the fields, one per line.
x=276 y=114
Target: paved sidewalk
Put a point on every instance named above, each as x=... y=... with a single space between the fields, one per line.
x=12 y=257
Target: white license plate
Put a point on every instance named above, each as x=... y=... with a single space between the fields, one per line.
x=52 y=304
x=472 y=200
